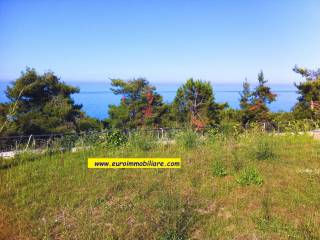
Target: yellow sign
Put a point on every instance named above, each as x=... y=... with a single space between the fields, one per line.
x=134 y=162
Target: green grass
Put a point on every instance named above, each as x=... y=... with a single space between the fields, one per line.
x=236 y=187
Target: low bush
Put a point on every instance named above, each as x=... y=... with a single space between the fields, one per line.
x=230 y=128
x=142 y=141
x=66 y=143
x=113 y=139
x=188 y=139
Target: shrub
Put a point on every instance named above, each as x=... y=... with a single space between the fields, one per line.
x=66 y=142
x=88 y=139
x=230 y=128
x=219 y=169
x=188 y=139
x=113 y=138
x=250 y=176
x=89 y=124
x=142 y=141
x=214 y=135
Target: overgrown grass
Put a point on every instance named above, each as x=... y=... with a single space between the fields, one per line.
x=226 y=189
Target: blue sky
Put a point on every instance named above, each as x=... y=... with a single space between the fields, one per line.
x=164 y=40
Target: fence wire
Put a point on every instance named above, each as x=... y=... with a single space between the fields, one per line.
x=68 y=140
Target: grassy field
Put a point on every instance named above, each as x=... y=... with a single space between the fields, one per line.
x=250 y=186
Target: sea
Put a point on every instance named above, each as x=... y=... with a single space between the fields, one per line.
x=95 y=97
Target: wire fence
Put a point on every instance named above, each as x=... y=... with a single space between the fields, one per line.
x=69 y=140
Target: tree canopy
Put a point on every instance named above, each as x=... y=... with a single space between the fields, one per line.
x=140 y=105
x=42 y=104
x=308 y=105
x=254 y=103
x=194 y=103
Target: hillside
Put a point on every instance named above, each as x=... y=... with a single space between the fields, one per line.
x=249 y=186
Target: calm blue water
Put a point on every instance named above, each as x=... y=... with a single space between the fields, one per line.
x=95 y=97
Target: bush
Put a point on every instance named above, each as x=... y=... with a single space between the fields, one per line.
x=89 y=139
x=219 y=169
x=299 y=125
x=230 y=128
x=89 y=124
x=250 y=176
x=188 y=139
x=66 y=142
x=142 y=141
x=113 y=138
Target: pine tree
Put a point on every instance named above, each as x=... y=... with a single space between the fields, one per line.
x=42 y=104
x=254 y=104
x=245 y=102
x=262 y=96
x=140 y=106
x=308 y=105
x=194 y=103
x=245 y=95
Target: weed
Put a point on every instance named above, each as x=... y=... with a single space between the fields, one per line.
x=249 y=176
x=219 y=170
x=266 y=207
x=265 y=149
x=177 y=217
x=236 y=162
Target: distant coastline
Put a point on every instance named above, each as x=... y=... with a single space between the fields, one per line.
x=96 y=96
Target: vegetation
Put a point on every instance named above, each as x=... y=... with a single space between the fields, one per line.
x=194 y=103
x=223 y=191
x=254 y=104
x=308 y=105
x=238 y=181
x=245 y=96
x=141 y=105
x=249 y=176
x=41 y=104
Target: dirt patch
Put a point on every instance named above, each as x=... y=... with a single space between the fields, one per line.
x=8 y=230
